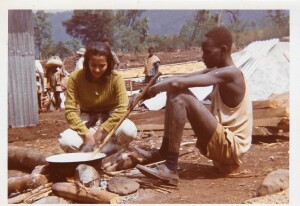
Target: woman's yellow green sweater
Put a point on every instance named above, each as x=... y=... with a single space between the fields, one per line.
x=96 y=98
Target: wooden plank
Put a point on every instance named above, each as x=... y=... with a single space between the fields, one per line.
x=270 y=113
x=280 y=122
x=269 y=103
x=269 y=122
x=158 y=127
x=284 y=98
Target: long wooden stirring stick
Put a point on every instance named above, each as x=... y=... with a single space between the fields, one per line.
x=138 y=98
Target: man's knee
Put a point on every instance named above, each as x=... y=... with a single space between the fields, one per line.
x=126 y=133
x=177 y=97
x=70 y=141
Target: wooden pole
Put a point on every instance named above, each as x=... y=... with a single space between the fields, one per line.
x=141 y=95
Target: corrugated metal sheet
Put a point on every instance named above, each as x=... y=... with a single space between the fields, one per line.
x=271 y=75
x=22 y=97
x=251 y=56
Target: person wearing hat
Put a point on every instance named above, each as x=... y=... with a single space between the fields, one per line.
x=79 y=63
x=54 y=75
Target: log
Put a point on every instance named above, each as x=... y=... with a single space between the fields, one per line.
x=271 y=122
x=25 y=158
x=260 y=131
x=20 y=198
x=20 y=184
x=84 y=195
x=270 y=113
x=122 y=163
x=52 y=200
x=34 y=197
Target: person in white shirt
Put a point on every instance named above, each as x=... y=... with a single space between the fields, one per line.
x=79 y=63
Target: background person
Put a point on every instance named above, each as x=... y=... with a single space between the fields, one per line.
x=79 y=63
x=151 y=65
x=54 y=75
x=106 y=41
x=102 y=98
x=39 y=73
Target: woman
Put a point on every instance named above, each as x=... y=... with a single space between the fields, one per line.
x=102 y=98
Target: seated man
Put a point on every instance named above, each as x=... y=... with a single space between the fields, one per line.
x=224 y=133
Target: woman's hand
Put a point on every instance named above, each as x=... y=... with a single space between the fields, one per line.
x=92 y=141
x=88 y=143
x=99 y=135
x=89 y=139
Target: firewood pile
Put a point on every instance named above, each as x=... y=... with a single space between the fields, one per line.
x=86 y=185
x=83 y=187
x=271 y=116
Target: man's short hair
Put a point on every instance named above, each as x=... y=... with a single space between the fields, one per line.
x=106 y=40
x=150 y=48
x=221 y=36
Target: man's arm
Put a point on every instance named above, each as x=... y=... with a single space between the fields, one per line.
x=198 y=79
x=203 y=71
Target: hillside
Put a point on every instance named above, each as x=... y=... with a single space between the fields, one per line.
x=161 y=22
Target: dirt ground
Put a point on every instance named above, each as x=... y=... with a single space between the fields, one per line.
x=197 y=182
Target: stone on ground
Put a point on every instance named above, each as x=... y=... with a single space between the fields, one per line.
x=122 y=185
x=276 y=181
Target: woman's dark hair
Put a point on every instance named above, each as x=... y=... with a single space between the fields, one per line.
x=98 y=48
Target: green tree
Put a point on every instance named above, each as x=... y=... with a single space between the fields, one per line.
x=128 y=17
x=237 y=26
x=132 y=30
x=42 y=32
x=192 y=32
x=73 y=44
x=128 y=40
x=90 y=25
x=141 y=27
x=47 y=49
x=279 y=21
x=62 y=50
x=277 y=18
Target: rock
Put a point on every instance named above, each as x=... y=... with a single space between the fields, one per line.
x=52 y=200
x=276 y=181
x=277 y=198
x=122 y=185
x=87 y=175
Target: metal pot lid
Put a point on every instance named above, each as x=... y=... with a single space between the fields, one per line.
x=74 y=157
